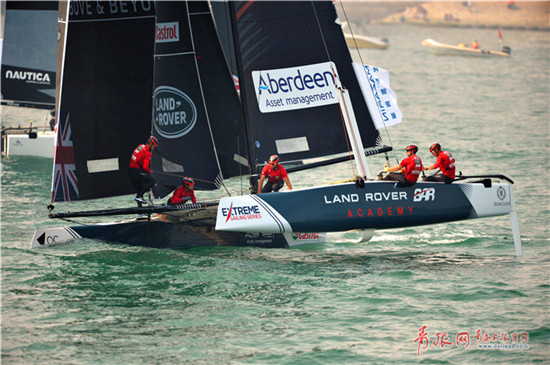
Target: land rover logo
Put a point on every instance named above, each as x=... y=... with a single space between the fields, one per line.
x=501 y=193
x=174 y=113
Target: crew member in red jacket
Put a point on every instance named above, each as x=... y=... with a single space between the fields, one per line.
x=445 y=162
x=412 y=166
x=276 y=176
x=184 y=193
x=139 y=171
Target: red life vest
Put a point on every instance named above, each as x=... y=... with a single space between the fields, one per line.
x=181 y=193
x=446 y=163
x=141 y=157
x=274 y=175
x=413 y=167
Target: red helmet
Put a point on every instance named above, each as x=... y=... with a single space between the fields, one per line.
x=412 y=147
x=434 y=146
x=273 y=159
x=188 y=181
x=154 y=141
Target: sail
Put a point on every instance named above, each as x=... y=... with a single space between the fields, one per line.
x=196 y=113
x=222 y=20
x=29 y=54
x=294 y=124
x=221 y=97
x=104 y=101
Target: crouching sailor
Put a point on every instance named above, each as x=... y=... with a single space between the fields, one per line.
x=184 y=193
x=411 y=166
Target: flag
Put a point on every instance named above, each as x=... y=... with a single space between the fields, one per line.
x=380 y=98
x=499 y=34
x=64 y=181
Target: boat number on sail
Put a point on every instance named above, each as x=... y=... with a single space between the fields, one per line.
x=293 y=88
x=174 y=113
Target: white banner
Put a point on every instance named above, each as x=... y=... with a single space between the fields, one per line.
x=300 y=87
x=381 y=100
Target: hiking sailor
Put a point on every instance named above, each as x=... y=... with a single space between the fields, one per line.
x=184 y=193
x=276 y=176
x=139 y=170
x=445 y=162
x=412 y=166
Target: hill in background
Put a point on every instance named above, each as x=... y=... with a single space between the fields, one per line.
x=528 y=15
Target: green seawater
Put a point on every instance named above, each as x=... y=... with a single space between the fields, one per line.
x=338 y=302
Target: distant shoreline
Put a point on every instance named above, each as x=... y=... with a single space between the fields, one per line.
x=519 y=15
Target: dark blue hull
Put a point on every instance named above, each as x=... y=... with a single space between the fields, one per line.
x=158 y=234
x=376 y=205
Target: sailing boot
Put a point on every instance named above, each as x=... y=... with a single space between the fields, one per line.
x=140 y=201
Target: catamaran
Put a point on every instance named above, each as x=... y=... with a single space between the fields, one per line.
x=300 y=97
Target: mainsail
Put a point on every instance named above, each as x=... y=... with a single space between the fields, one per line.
x=105 y=78
x=277 y=49
x=196 y=114
x=28 y=54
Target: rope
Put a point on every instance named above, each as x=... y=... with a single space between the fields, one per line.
x=362 y=62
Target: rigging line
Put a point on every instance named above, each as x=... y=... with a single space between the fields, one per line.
x=335 y=83
x=232 y=24
x=344 y=126
x=320 y=30
x=182 y=176
x=362 y=63
x=203 y=98
x=231 y=65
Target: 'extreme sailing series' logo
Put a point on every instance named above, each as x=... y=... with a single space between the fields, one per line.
x=174 y=113
x=298 y=87
x=240 y=213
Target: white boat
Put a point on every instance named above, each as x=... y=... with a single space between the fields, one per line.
x=38 y=144
x=462 y=50
x=300 y=97
x=363 y=41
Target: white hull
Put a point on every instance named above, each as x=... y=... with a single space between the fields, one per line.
x=362 y=41
x=22 y=145
x=450 y=50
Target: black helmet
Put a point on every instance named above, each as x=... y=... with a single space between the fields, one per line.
x=154 y=141
x=412 y=147
x=435 y=146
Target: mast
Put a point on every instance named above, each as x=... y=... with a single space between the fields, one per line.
x=251 y=155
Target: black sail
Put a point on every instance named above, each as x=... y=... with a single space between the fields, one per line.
x=196 y=111
x=222 y=101
x=273 y=35
x=29 y=54
x=104 y=96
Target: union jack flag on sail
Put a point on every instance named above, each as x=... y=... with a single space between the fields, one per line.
x=64 y=181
